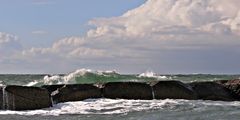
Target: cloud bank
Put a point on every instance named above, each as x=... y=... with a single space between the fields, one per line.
x=166 y=35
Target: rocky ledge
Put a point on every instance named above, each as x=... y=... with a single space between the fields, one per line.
x=29 y=98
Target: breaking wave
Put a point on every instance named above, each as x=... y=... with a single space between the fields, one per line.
x=151 y=74
x=90 y=76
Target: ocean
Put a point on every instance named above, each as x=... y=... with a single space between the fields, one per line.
x=121 y=109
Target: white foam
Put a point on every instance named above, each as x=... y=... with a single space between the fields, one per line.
x=121 y=106
x=32 y=83
x=110 y=71
x=67 y=79
x=2 y=83
x=49 y=80
x=70 y=78
x=79 y=72
x=151 y=74
x=97 y=106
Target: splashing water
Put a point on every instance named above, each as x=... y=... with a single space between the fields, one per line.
x=151 y=74
x=87 y=76
x=99 y=106
x=4 y=98
x=121 y=106
x=90 y=76
x=81 y=74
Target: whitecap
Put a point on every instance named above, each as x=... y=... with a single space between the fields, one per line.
x=69 y=78
x=151 y=74
x=32 y=83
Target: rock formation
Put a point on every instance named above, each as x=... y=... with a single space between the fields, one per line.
x=127 y=90
x=30 y=98
x=232 y=85
x=24 y=98
x=173 y=90
x=212 y=91
x=77 y=92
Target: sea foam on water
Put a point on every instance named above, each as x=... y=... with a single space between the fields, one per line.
x=122 y=106
x=151 y=74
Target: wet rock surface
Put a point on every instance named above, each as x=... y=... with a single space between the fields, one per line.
x=173 y=90
x=76 y=92
x=213 y=91
x=30 y=98
x=127 y=90
x=25 y=98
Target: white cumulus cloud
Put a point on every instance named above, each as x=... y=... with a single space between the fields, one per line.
x=66 y=47
x=7 y=38
x=147 y=33
x=156 y=15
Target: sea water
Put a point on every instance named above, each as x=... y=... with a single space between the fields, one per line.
x=121 y=109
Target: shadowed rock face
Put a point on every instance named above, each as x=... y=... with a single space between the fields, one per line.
x=78 y=92
x=173 y=90
x=127 y=90
x=25 y=98
x=212 y=91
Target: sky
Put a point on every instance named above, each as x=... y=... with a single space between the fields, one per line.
x=165 y=36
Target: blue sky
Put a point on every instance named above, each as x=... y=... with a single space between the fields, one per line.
x=58 y=18
x=166 y=36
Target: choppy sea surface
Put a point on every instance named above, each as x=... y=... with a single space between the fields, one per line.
x=120 y=109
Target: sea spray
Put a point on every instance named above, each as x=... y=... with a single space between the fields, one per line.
x=52 y=102
x=153 y=94
x=152 y=83
x=84 y=76
x=33 y=83
x=87 y=76
x=151 y=74
x=79 y=76
x=5 y=98
x=147 y=74
x=8 y=100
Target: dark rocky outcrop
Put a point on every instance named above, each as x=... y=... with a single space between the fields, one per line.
x=173 y=90
x=212 y=91
x=25 y=98
x=127 y=90
x=76 y=92
x=30 y=98
x=232 y=85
